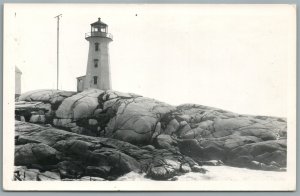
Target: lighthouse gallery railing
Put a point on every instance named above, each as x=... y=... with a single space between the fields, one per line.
x=98 y=34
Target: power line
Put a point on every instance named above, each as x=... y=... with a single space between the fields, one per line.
x=57 y=55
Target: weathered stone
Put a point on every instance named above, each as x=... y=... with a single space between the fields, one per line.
x=190 y=148
x=80 y=105
x=36 y=118
x=149 y=147
x=68 y=169
x=183 y=129
x=77 y=152
x=25 y=174
x=78 y=130
x=63 y=122
x=172 y=127
x=164 y=141
x=31 y=175
x=22 y=118
x=193 y=133
x=204 y=133
x=183 y=117
x=185 y=168
x=48 y=176
x=93 y=122
x=97 y=112
x=236 y=141
x=101 y=171
x=123 y=163
x=136 y=119
x=197 y=168
x=44 y=154
x=160 y=173
x=34 y=153
x=24 y=155
x=208 y=125
x=157 y=131
x=173 y=164
x=55 y=97
x=78 y=147
x=267 y=151
x=183 y=123
x=214 y=151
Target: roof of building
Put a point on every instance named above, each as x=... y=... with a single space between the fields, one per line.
x=80 y=77
x=17 y=70
x=99 y=22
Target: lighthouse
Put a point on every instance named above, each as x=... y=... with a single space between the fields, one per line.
x=98 y=68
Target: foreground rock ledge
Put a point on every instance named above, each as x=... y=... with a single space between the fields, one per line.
x=47 y=153
x=105 y=134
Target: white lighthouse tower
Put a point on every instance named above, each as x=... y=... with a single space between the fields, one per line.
x=98 y=69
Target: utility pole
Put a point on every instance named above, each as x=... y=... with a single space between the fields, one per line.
x=57 y=55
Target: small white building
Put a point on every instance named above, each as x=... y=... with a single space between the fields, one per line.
x=80 y=83
x=98 y=68
x=18 y=75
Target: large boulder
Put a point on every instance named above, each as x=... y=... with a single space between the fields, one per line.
x=167 y=170
x=55 y=97
x=161 y=173
x=70 y=169
x=191 y=148
x=265 y=152
x=74 y=155
x=80 y=105
x=98 y=171
x=136 y=119
x=35 y=153
x=165 y=141
x=120 y=162
x=38 y=106
x=172 y=127
x=232 y=138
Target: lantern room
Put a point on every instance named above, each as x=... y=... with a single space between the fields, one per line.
x=99 y=26
x=99 y=29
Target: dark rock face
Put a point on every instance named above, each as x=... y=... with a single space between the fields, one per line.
x=235 y=139
x=267 y=152
x=31 y=153
x=101 y=171
x=74 y=156
x=25 y=174
x=105 y=134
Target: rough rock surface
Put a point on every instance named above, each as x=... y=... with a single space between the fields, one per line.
x=135 y=119
x=54 y=97
x=235 y=139
x=65 y=155
x=81 y=105
x=160 y=139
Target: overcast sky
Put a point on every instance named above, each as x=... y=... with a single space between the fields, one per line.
x=231 y=57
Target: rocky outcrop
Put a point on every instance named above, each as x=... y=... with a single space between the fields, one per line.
x=124 y=116
x=235 y=139
x=160 y=139
x=47 y=153
x=78 y=106
x=136 y=119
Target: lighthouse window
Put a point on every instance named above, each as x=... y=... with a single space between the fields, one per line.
x=95 y=79
x=96 y=63
x=96 y=46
